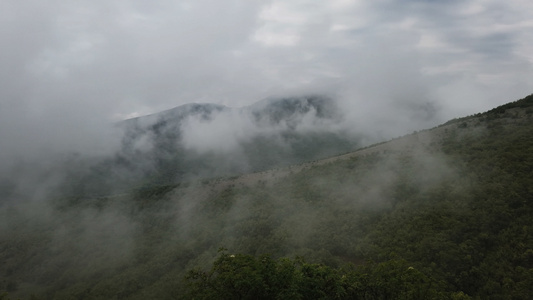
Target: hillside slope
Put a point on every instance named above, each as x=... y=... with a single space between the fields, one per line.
x=454 y=203
x=196 y=141
x=206 y=140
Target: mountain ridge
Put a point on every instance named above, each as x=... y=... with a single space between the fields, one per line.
x=427 y=138
x=452 y=203
x=199 y=139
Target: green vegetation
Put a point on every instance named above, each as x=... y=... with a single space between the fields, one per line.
x=248 y=277
x=445 y=219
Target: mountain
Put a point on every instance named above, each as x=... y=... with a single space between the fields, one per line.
x=207 y=140
x=444 y=213
x=275 y=111
x=194 y=141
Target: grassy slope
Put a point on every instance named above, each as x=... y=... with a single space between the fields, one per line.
x=455 y=202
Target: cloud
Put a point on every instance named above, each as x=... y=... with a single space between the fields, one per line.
x=68 y=68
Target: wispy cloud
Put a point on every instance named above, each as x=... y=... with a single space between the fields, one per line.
x=66 y=68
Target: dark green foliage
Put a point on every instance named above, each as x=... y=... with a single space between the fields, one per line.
x=247 y=277
x=457 y=214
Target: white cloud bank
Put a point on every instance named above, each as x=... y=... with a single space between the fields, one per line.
x=68 y=68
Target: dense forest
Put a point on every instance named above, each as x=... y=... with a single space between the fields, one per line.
x=445 y=213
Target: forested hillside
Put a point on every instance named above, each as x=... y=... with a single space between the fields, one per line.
x=445 y=213
x=196 y=141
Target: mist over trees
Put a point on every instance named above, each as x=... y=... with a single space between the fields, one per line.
x=139 y=138
x=195 y=141
x=438 y=214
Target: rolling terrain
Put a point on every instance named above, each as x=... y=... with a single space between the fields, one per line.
x=444 y=213
x=198 y=141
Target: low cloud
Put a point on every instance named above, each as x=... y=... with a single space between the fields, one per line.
x=68 y=69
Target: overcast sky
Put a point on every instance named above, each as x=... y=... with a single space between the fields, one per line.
x=66 y=65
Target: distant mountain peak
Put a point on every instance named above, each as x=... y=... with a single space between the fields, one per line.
x=278 y=109
x=273 y=110
x=202 y=110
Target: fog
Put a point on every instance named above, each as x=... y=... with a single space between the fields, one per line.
x=70 y=69
x=71 y=73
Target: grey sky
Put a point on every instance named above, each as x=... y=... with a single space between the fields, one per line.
x=68 y=67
